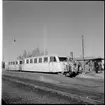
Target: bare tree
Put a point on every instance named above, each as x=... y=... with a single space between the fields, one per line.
x=25 y=54
x=46 y=52
x=42 y=53
x=35 y=52
x=29 y=54
x=19 y=57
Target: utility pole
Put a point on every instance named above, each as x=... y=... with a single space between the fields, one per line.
x=83 y=53
x=44 y=39
x=83 y=47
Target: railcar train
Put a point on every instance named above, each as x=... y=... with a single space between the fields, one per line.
x=48 y=63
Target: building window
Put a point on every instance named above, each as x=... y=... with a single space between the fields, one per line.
x=40 y=60
x=52 y=59
x=35 y=60
x=45 y=59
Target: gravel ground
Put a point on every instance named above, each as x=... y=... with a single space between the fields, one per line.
x=93 y=89
x=92 y=75
x=14 y=93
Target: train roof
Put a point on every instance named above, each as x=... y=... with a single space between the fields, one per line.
x=38 y=57
x=46 y=56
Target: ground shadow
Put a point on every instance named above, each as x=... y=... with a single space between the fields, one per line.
x=3 y=102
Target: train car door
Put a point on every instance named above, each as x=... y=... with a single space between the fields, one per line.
x=20 y=65
x=46 y=64
x=53 y=64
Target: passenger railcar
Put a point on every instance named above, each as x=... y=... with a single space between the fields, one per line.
x=48 y=63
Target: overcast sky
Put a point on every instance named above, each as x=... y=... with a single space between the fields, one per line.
x=62 y=23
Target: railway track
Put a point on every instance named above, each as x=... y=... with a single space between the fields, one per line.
x=74 y=94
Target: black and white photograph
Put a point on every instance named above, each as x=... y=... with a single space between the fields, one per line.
x=52 y=52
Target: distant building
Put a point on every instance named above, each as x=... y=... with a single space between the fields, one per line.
x=89 y=62
x=89 y=58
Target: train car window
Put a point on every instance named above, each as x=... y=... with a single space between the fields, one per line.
x=40 y=60
x=35 y=60
x=27 y=61
x=31 y=61
x=13 y=63
x=62 y=59
x=52 y=59
x=20 y=62
x=16 y=62
x=45 y=59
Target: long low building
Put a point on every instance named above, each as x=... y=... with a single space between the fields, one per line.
x=88 y=58
x=89 y=62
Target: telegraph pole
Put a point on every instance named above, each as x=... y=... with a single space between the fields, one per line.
x=83 y=47
x=83 y=53
x=44 y=39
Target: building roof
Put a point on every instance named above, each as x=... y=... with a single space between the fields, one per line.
x=88 y=58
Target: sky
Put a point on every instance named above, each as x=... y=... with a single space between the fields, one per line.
x=57 y=26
